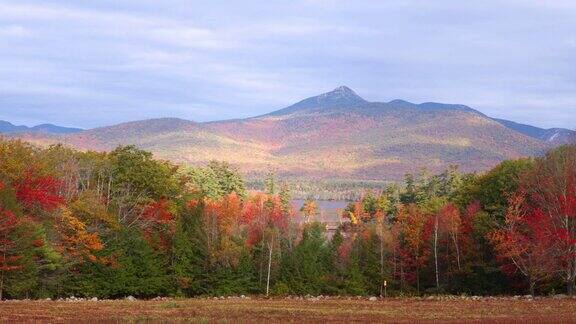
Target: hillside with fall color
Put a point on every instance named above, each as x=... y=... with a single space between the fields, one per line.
x=334 y=135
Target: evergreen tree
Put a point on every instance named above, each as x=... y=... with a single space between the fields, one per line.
x=354 y=281
x=218 y=179
x=136 y=269
x=369 y=250
x=408 y=196
x=270 y=183
x=189 y=257
x=305 y=269
x=285 y=198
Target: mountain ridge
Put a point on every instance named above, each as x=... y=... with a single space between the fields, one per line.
x=556 y=136
x=337 y=134
x=9 y=128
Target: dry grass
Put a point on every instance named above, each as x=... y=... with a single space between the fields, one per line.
x=284 y=310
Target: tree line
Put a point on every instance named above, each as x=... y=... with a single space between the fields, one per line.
x=122 y=223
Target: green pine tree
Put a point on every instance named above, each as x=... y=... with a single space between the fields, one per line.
x=188 y=264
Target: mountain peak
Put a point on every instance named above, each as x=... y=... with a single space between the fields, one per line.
x=344 y=90
x=341 y=94
x=341 y=97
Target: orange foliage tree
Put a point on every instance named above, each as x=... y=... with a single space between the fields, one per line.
x=451 y=222
x=222 y=218
x=413 y=223
x=309 y=209
x=77 y=241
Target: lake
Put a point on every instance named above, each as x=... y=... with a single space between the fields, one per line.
x=329 y=209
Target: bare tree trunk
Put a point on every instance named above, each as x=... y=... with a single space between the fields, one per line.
x=270 y=246
x=394 y=266
x=261 y=271
x=381 y=257
x=109 y=190
x=455 y=238
x=436 y=252
x=1 y=284
x=418 y=279
x=571 y=276
x=532 y=286
x=401 y=276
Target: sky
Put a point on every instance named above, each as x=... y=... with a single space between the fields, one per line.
x=96 y=63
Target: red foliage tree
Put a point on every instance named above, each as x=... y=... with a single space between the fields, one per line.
x=266 y=220
x=469 y=248
x=262 y=212
x=158 y=212
x=527 y=240
x=551 y=189
x=158 y=223
x=39 y=192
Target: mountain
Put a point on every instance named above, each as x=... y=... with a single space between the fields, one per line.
x=555 y=136
x=6 y=127
x=9 y=128
x=337 y=134
x=53 y=129
x=354 y=138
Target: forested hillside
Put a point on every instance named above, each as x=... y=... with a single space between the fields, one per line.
x=124 y=223
x=334 y=136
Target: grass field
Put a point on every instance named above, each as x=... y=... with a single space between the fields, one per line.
x=496 y=310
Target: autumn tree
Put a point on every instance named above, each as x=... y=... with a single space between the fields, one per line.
x=17 y=158
x=413 y=225
x=431 y=206
x=493 y=189
x=267 y=224
x=451 y=221
x=38 y=193
x=25 y=252
x=527 y=240
x=551 y=191
x=78 y=241
x=309 y=210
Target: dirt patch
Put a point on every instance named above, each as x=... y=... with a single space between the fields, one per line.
x=234 y=310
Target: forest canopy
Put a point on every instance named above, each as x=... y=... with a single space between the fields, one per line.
x=122 y=223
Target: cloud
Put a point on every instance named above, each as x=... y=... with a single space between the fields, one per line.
x=190 y=37
x=101 y=62
x=14 y=31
